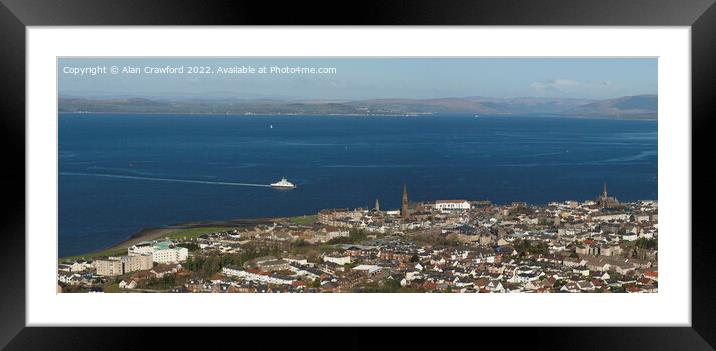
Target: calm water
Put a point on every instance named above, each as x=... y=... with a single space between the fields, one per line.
x=120 y=173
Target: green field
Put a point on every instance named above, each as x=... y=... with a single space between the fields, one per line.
x=193 y=233
x=304 y=220
x=91 y=255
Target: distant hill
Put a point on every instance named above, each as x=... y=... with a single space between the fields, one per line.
x=478 y=105
x=628 y=107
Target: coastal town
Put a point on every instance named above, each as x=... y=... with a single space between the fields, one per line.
x=599 y=245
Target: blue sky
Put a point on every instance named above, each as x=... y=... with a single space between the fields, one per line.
x=366 y=78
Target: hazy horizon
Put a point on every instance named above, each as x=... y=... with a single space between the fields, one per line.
x=371 y=78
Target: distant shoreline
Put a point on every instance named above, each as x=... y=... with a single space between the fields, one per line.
x=251 y=115
x=466 y=115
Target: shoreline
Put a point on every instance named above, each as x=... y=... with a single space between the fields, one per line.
x=153 y=233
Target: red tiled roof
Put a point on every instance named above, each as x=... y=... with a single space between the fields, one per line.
x=429 y=285
x=651 y=274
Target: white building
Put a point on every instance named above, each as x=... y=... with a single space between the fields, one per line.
x=630 y=237
x=340 y=260
x=297 y=260
x=127 y=285
x=610 y=217
x=367 y=269
x=452 y=205
x=171 y=255
x=255 y=276
x=161 y=251
x=142 y=248
x=76 y=266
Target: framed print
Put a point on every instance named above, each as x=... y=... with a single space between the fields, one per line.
x=518 y=171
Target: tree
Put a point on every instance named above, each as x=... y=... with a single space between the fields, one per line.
x=301 y=243
x=452 y=240
x=111 y=288
x=525 y=247
x=354 y=236
x=192 y=247
x=166 y=282
x=393 y=285
x=645 y=243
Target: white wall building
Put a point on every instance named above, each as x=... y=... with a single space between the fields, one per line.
x=452 y=205
x=630 y=237
x=141 y=249
x=161 y=251
x=367 y=269
x=171 y=255
x=255 y=276
x=341 y=260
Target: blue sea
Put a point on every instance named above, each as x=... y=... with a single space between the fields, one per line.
x=120 y=173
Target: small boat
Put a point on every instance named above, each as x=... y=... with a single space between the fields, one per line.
x=477 y=116
x=283 y=184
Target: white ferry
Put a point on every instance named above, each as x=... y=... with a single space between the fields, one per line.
x=284 y=184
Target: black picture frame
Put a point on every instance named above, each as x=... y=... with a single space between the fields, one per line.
x=700 y=15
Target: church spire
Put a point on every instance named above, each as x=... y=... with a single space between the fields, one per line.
x=605 y=190
x=405 y=202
